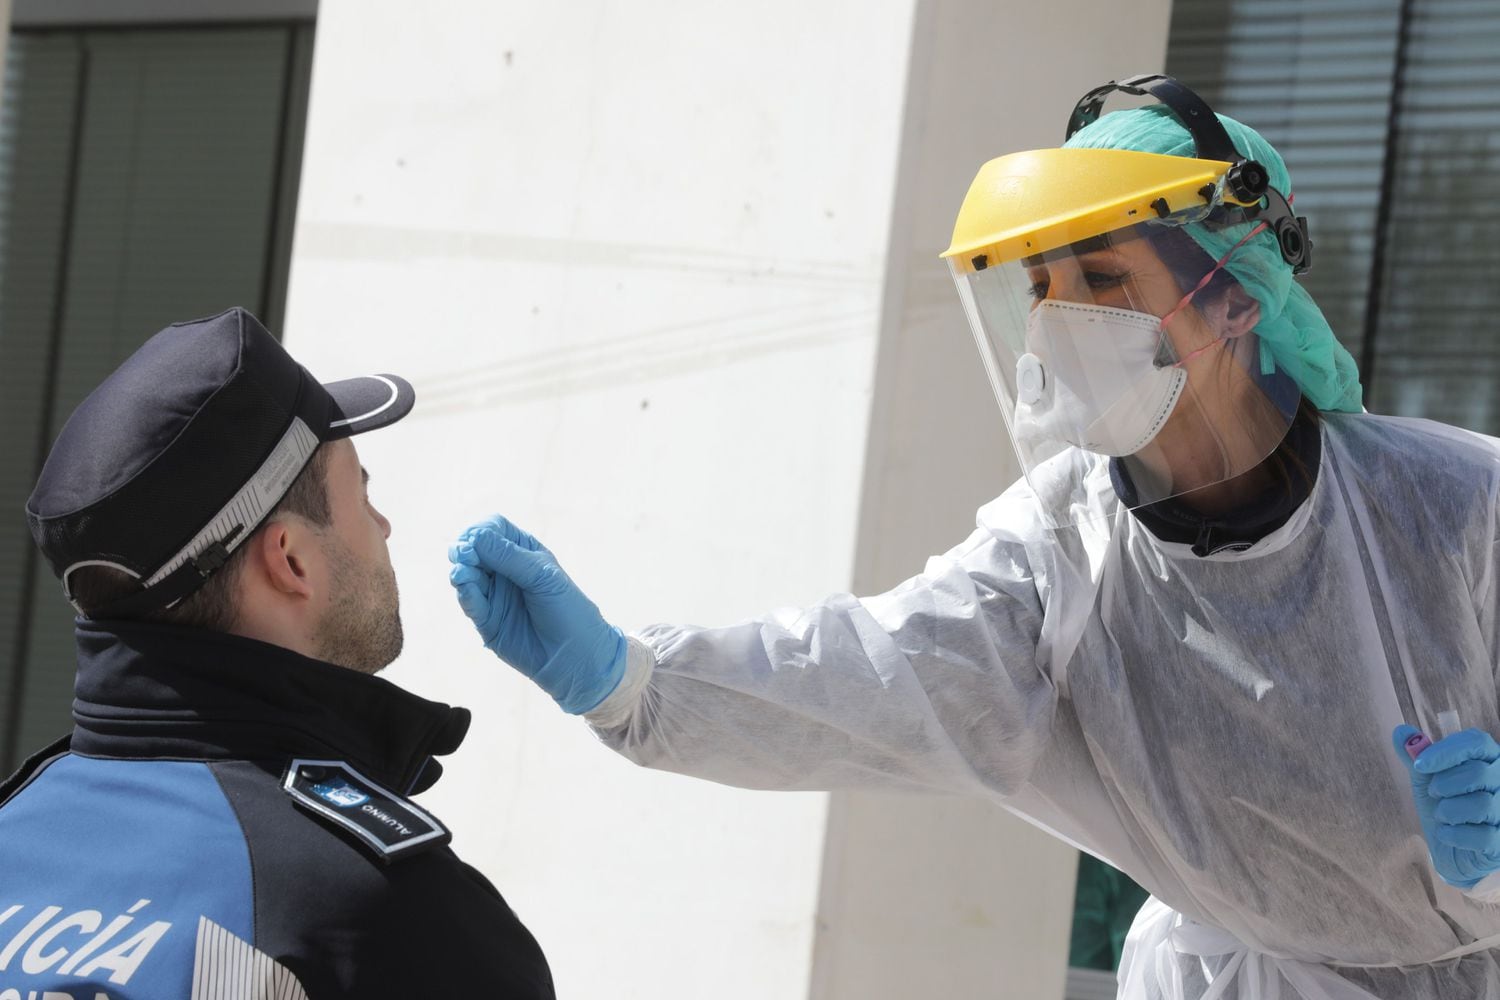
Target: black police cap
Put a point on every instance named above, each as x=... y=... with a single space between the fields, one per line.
x=180 y=454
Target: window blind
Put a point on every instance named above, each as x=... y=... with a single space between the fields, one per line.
x=1436 y=349
x=40 y=100
x=1315 y=79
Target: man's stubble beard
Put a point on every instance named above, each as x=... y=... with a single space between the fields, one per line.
x=362 y=629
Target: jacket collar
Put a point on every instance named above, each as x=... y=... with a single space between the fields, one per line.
x=1174 y=521
x=151 y=690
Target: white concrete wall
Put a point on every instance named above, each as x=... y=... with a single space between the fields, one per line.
x=641 y=262
x=631 y=255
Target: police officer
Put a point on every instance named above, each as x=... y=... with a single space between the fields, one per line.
x=231 y=815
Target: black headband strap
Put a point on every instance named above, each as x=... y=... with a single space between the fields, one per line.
x=1209 y=137
x=1246 y=182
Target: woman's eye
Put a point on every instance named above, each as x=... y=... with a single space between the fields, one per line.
x=1103 y=279
x=1038 y=291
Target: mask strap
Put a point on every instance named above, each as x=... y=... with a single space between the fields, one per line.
x=1208 y=346
x=1218 y=266
x=1202 y=282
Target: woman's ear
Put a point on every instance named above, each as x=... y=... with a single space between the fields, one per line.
x=1242 y=312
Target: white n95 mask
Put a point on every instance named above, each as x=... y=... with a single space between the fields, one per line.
x=1100 y=378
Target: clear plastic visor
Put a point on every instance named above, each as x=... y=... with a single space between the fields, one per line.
x=1126 y=366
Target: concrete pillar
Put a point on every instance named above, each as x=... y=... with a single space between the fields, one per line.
x=948 y=897
x=4 y=39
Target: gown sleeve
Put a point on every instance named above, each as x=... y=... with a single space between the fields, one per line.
x=935 y=685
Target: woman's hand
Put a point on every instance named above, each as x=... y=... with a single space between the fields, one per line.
x=1456 y=785
x=532 y=616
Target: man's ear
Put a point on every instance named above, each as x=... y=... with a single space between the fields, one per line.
x=278 y=557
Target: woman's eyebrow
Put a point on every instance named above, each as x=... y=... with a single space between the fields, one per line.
x=1097 y=257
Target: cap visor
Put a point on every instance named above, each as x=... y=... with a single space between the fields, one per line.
x=366 y=403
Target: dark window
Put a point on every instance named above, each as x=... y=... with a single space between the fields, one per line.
x=147 y=175
x=1388 y=113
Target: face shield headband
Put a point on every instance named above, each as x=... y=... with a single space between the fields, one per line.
x=1244 y=194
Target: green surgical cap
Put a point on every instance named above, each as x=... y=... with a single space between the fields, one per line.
x=1292 y=327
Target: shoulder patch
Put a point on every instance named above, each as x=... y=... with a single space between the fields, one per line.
x=387 y=824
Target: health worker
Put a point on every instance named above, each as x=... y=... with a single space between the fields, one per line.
x=1208 y=637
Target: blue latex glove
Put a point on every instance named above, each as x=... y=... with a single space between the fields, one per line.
x=1456 y=785
x=533 y=617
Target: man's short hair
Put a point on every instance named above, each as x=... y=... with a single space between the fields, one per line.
x=212 y=606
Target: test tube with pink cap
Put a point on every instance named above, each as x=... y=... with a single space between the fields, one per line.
x=1447 y=725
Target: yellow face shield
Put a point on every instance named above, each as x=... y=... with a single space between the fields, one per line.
x=1029 y=203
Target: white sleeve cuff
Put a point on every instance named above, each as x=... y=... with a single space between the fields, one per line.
x=1486 y=890
x=617 y=709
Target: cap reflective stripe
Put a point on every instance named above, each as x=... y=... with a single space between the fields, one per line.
x=395 y=392
x=94 y=562
x=68 y=591
x=254 y=500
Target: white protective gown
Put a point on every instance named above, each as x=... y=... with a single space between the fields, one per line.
x=1218 y=728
